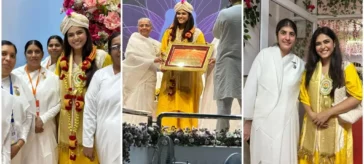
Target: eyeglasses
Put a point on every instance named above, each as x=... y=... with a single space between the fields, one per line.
x=116 y=47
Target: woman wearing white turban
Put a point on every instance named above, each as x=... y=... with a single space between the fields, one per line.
x=180 y=91
x=75 y=68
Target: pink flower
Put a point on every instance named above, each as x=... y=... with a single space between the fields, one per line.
x=69 y=12
x=90 y=3
x=93 y=3
x=112 y=20
x=101 y=18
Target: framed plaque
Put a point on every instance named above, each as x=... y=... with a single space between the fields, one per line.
x=187 y=57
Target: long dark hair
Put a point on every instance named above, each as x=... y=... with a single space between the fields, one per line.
x=188 y=26
x=33 y=42
x=6 y=42
x=335 y=72
x=58 y=38
x=86 y=50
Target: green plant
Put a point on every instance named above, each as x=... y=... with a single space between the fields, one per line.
x=338 y=7
x=251 y=16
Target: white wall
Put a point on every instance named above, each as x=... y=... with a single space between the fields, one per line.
x=251 y=48
x=24 y=20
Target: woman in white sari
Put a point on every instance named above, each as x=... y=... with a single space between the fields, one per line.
x=208 y=104
x=7 y=101
x=55 y=49
x=23 y=106
x=102 y=110
x=271 y=100
x=41 y=147
x=140 y=72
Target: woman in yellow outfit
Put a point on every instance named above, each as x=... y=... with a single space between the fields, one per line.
x=75 y=68
x=180 y=91
x=324 y=137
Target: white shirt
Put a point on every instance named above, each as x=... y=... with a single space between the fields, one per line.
x=102 y=115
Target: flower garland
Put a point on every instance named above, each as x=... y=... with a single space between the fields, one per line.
x=143 y=135
x=74 y=94
x=188 y=35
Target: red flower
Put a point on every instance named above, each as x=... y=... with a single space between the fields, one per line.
x=72 y=137
x=68 y=96
x=65 y=68
x=83 y=78
x=68 y=3
x=188 y=35
x=73 y=157
x=62 y=77
x=96 y=14
x=311 y=7
x=94 y=29
x=248 y=4
x=80 y=98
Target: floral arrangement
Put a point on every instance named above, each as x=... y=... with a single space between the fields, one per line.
x=251 y=16
x=103 y=15
x=143 y=135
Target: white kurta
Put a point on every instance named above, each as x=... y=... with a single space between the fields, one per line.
x=24 y=111
x=7 y=104
x=102 y=115
x=139 y=75
x=208 y=104
x=42 y=147
x=271 y=100
x=47 y=61
x=228 y=72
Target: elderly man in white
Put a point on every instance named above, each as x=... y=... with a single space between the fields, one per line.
x=140 y=71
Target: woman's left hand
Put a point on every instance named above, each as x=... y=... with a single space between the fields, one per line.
x=321 y=118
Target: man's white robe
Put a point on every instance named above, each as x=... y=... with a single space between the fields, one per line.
x=102 y=115
x=41 y=148
x=139 y=75
x=24 y=111
x=271 y=100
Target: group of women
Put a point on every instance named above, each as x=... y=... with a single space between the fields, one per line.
x=66 y=108
x=278 y=79
x=180 y=91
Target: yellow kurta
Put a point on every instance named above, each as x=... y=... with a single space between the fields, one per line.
x=342 y=132
x=188 y=90
x=63 y=126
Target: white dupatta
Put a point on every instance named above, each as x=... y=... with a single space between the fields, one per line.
x=140 y=54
